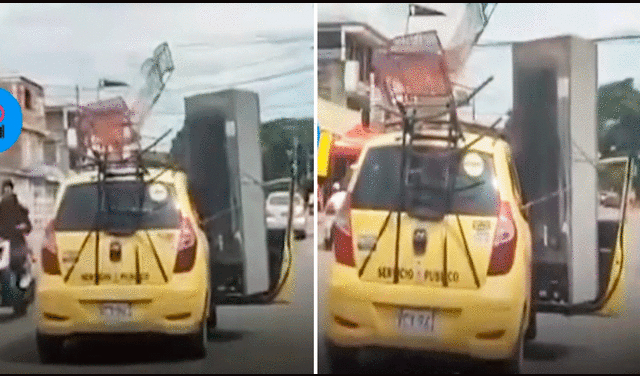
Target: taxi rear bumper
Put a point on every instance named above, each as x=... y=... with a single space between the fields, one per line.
x=153 y=309
x=485 y=323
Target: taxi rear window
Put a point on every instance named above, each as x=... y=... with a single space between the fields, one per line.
x=474 y=192
x=126 y=205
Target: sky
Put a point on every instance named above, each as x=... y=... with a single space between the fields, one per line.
x=214 y=47
x=518 y=22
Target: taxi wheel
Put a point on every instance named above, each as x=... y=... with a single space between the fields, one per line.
x=212 y=321
x=532 y=328
x=300 y=234
x=49 y=348
x=512 y=365
x=197 y=342
x=20 y=308
x=343 y=360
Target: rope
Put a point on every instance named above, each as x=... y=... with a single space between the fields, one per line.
x=546 y=198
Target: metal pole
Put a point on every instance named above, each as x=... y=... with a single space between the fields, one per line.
x=474 y=109
x=76 y=120
x=295 y=157
x=406 y=31
x=309 y=158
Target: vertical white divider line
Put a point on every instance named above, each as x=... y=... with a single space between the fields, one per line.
x=315 y=188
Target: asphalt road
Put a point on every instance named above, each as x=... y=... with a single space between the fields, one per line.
x=276 y=338
x=563 y=344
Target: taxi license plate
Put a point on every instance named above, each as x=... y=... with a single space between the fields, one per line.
x=116 y=311
x=416 y=322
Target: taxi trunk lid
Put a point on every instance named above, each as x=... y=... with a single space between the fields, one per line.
x=453 y=252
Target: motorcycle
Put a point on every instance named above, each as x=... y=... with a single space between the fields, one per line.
x=17 y=290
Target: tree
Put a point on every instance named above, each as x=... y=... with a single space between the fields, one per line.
x=276 y=137
x=619 y=118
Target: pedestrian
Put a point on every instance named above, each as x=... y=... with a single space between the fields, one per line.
x=14 y=225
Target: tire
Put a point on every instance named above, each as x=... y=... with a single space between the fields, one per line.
x=20 y=308
x=212 y=321
x=50 y=348
x=343 y=360
x=532 y=329
x=196 y=343
x=30 y=293
x=301 y=234
x=513 y=365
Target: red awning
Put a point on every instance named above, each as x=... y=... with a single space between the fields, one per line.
x=361 y=133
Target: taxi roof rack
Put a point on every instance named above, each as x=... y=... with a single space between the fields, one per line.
x=134 y=166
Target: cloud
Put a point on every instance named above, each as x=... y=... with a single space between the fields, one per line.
x=71 y=44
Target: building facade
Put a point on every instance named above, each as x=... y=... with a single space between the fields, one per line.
x=339 y=43
x=35 y=181
x=59 y=119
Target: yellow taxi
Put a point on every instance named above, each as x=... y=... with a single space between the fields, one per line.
x=446 y=271
x=123 y=255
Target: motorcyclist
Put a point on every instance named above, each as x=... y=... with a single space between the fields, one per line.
x=14 y=225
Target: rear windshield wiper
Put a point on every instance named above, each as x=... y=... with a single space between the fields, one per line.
x=470 y=186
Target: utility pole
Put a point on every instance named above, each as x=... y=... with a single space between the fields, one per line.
x=309 y=159
x=295 y=157
x=76 y=160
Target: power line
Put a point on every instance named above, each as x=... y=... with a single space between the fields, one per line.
x=73 y=87
x=613 y=39
x=274 y=90
x=596 y=40
x=269 y=59
x=286 y=54
x=309 y=103
x=254 y=63
x=290 y=105
x=260 y=79
x=245 y=43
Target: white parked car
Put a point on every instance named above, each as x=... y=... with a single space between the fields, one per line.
x=331 y=209
x=277 y=210
x=311 y=202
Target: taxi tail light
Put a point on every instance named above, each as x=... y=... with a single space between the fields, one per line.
x=50 y=264
x=504 y=242
x=186 y=255
x=342 y=238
